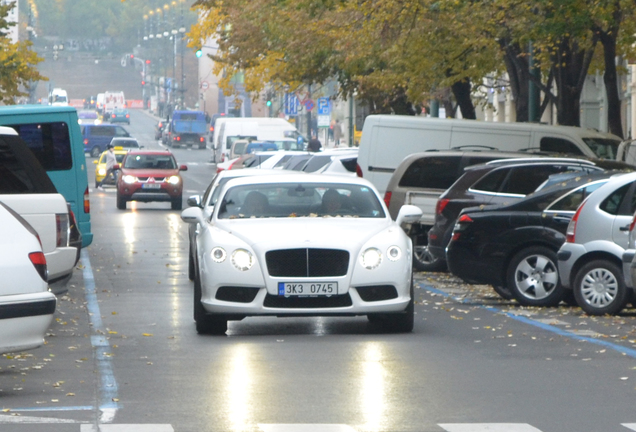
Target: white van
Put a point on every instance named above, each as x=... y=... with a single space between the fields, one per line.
x=58 y=97
x=229 y=129
x=388 y=139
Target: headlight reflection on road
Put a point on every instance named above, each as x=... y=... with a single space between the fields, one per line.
x=177 y=269
x=373 y=391
x=130 y=223
x=238 y=388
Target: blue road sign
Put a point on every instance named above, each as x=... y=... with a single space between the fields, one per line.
x=324 y=107
x=291 y=104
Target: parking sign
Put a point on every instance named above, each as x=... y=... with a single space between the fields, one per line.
x=324 y=107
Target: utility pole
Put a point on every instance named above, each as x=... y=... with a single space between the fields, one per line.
x=31 y=35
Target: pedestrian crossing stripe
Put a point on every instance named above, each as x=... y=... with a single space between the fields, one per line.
x=631 y=426
x=305 y=428
x=127 y=428
x=488 y=427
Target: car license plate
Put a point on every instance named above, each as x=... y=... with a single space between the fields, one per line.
x=151 y=186
x=289 y=289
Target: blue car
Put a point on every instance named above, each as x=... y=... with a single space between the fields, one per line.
x=120 y=116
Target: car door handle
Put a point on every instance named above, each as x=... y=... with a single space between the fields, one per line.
x=624 y=228
x=562 y=219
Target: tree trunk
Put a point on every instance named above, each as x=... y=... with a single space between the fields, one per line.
x=517 y=68
x=610 y=78
x=570 y=66
x=462 y=92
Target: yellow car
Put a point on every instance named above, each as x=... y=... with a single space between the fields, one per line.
x=100 y=169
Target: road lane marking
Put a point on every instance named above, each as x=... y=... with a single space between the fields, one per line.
x=101 y=345
x=489 y=427
x=127 y=428
x=561 y=332
x=10 y=419
x=305 y=428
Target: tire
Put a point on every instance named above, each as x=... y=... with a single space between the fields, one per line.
x=533 y=277
x=190 y=265
x=95 y=152
x=422 y=258
x=205 y=323
x=121 y=202
x=599 y=288
x=177 y=203
x=402 y=322
x=503 y=292
x=96 y=184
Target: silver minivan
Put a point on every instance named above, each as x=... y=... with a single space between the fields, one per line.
x=590 y=260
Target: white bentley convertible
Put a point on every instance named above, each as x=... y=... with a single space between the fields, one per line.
x=301 y=245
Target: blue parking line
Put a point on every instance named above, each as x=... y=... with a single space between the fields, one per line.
x=108 y=384
x=619 y=348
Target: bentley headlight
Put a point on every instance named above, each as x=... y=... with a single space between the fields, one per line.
x=128 y=179
x=101 y=171
x=242 y=259
x=173 y=180
x=394 y=253
x=218 y=254
x=371 y=258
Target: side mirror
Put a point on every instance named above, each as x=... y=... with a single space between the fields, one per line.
x=183 y=168
x=192 y=215
x=408 y=214
x=194 y=201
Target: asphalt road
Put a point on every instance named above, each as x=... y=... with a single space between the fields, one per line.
x=123 y=354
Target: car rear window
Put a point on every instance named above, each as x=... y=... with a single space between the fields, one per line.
x=432 y=172
x=50 y=143
x=20 y=171
x=102 y=131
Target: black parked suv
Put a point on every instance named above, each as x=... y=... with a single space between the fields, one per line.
x=420 y=179
x=513 y=247
x=500 y=182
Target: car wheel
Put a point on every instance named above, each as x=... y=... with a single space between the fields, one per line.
x=533 y=277
x=503 y=292
x=205 y=323
x=177 y=203
x=422 y=258
x=599 y=288
x=121 y=202
x=95 y=152
x=402 y=322
x=96 y=184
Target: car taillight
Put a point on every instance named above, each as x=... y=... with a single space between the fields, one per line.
x=62 y=228
x=441 y=205
x=127 y=115
x=112 y=116
x=86 y=142
x=87 y=203
x=631 y=225
x=358 y=170
x=39 y=262
x=570 y=233
x=457 y=230
x=201 y=139
x=387 y=199
x=177 y=138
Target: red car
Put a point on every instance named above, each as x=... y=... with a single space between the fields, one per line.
x=150 y=176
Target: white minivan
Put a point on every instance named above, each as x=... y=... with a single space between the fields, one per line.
x=388 y=139
x=229 y=129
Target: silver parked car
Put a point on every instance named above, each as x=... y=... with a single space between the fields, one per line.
x=590 y=260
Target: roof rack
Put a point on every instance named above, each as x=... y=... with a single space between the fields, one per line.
x=539 y=160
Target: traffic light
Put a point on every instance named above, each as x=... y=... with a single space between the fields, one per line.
x=147 y=62
x=269 y=102
x=199 y=53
